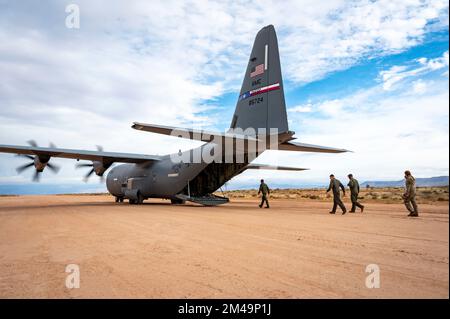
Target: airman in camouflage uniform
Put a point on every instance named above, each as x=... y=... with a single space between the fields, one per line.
x=264 y=189
x=409 y=197
x=335 y=184
x=354 y=191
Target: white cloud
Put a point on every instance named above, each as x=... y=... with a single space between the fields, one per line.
x=355 y=31
x=393 y=75
x=301 y=108
x=331 y=107
x=435 y=64
x=419 y=86
x=398 y=73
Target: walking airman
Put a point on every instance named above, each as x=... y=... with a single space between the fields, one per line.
x=335 y=184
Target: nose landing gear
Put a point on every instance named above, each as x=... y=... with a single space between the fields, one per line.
x=119 y=199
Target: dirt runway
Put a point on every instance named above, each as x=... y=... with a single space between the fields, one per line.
x=157 y=250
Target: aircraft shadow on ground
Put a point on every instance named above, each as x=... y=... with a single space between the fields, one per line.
x=26 y=208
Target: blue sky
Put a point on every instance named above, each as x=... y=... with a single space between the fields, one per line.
x=370 y=76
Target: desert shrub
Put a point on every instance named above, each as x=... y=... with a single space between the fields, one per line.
x=313 y=197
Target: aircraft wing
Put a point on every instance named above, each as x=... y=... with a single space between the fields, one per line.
x=303 y=147
x=79 y=154
x=199 y=135
x=273 y=167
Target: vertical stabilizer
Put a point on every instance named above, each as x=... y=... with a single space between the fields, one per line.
x=261 y=100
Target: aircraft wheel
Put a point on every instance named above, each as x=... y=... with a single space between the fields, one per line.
x=132 y=201
x=121 y=199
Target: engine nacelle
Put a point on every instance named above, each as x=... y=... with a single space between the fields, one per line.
x=40 y=162
x=100 y=167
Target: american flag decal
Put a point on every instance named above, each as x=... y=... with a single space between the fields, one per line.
x=261 y=90
x=259 y=69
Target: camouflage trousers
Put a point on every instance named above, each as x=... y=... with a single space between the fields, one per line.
x=338 y=202
x=354 y=199
x=264 y=199
x=410 y=204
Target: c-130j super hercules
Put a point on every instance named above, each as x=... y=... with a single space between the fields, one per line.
x=259 y=119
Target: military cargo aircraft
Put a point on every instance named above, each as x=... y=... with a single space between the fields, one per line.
x=259 y=119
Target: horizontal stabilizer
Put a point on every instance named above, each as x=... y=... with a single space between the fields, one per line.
x=192 y=134
x=303 y=147
x=274 y=167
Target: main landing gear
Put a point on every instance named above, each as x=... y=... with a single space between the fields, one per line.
x=139 y=200
x=136 y=201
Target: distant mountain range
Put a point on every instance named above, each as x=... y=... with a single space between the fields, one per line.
x=420 y=182
x=77 y=188
x=48 y=189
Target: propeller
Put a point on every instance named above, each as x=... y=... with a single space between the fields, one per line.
x=39 y=162
x=91 y=171
x=97 y=167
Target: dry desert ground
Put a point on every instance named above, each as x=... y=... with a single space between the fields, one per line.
x=295 y=249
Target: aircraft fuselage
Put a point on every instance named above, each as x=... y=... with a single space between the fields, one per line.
x=166 y=178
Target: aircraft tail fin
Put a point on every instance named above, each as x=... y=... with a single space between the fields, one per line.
x=261 y=100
